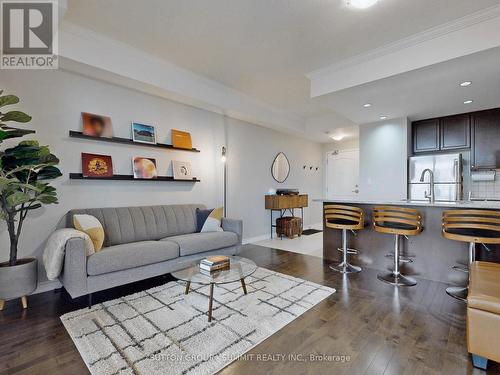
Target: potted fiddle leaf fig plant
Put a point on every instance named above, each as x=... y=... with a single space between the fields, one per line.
x=24 y=170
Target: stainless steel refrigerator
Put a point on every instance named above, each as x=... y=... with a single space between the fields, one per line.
x=448 y=179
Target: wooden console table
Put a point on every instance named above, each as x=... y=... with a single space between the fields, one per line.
x=284 y=203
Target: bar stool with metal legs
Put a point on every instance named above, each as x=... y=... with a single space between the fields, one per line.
x=344 y=218
x=399 y=221
x=472 y=226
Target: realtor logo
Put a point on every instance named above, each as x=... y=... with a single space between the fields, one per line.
x=29 y=34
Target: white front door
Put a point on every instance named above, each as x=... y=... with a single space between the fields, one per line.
x=342 y=171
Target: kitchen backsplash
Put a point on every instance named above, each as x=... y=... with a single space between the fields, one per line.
x=486 y=189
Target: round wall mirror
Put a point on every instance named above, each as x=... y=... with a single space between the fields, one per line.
x=280 y=168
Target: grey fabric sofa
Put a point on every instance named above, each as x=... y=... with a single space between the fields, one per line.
x=142 y=242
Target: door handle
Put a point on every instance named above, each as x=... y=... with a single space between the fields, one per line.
x=356 y=191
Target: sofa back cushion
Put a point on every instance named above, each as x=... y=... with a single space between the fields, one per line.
x=132 y=224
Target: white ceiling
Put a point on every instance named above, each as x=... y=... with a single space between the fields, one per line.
x=264 y=48
x=424 y=93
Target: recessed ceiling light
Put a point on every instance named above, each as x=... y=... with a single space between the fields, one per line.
x=383 y=117
x=361 y=4
x=466 y=83
x=468 y=101
x=367 y=105
x=337 y=137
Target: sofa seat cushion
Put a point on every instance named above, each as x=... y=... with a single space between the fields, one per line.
x=195 y=243
x=484 y=287
x=130 y=255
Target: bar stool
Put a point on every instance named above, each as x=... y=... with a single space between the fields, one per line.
x=399 y=221
x=344 y=218
x=472 y=226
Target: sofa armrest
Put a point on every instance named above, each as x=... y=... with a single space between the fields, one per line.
x=74 y=273
x=235 y=226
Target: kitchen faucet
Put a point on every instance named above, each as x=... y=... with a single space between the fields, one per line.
x=429 y=196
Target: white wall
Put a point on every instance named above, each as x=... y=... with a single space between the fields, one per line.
x=55 y=99
x=252 y=150
x=383 y=149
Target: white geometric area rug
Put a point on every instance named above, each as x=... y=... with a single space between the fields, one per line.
x=163 y=331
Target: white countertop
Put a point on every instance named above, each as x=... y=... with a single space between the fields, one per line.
x=459 y=204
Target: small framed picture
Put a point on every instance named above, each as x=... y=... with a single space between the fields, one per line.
x=143 y=133
x=97 y=125
x=182 y=170
x=94 y=165
x=144 y=167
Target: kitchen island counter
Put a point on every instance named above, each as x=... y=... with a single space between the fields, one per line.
x=433 y=254
x=486 y=204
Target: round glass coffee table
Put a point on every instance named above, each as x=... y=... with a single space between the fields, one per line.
x=239 y=269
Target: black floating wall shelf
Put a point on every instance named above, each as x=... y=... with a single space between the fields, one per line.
x=128 y=177
x=127 y=141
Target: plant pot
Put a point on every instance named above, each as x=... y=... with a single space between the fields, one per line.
x=19 y=280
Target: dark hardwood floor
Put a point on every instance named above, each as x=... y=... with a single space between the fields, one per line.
x=376 y=328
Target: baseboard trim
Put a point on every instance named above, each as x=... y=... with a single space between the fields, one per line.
x=315 y=226
x=268 y=237
x=256 y=239
x=45 y=286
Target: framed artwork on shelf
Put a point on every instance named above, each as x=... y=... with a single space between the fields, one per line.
x=94 y=165
x=181 y=139
x=97 y=125
x=143 y=133
x=182 y=170
x=144 y=167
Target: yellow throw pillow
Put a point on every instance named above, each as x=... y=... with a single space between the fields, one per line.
x=93 y=227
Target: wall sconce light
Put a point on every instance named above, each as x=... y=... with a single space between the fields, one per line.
x=223 y=157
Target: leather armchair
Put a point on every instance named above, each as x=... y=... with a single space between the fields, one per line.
x=483 y=313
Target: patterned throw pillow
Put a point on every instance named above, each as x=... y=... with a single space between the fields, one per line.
x=209 y=220
x=93 y=227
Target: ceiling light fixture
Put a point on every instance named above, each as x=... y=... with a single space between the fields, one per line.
x=367 y=105
x=361 y=4
x=383 y=117
x=466 y=83
x=337 y=137
x=468 y=101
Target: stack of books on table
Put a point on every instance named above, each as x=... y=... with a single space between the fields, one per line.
x=213 y=264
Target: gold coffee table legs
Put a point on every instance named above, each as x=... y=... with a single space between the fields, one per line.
x=188 y=284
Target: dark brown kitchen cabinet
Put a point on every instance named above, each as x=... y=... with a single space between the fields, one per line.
x=455 y=132
x=441 y=134
x=485 y=139
x=426 y=135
